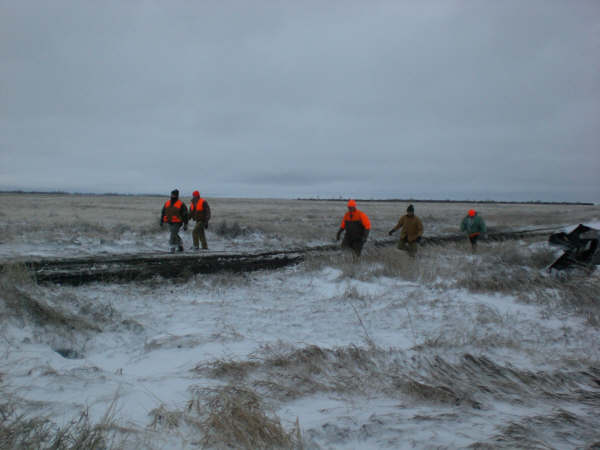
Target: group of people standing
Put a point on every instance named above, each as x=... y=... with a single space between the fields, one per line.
x=355 y=224
x=175 y=213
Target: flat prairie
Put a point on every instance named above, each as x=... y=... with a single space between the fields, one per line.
x=40 y=220
x=451 y=349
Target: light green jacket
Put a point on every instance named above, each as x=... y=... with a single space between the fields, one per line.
x=473 y=224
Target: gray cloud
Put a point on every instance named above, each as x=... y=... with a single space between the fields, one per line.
x=433 y=99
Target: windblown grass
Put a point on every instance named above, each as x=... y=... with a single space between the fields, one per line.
x=542 y=431
x=237 y=418
x=22 y=432
x=513 y=267
x=17 y=283
x=228 y=417
x=284 y=373
x=232 y=230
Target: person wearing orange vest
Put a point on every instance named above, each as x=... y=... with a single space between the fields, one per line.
x=174 y=213
x=200 y=212
x=357 y=226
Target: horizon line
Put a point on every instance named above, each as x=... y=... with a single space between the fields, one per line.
x=320 y=199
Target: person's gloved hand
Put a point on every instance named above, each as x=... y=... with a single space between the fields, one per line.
x=419 y=240
x=390 y=232
x=337 y=236
x=185 y=227
x=161 y=224
x=206 y=226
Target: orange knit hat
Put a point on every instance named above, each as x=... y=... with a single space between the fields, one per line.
x=472 y=213
x=195 y=194
x=351 y=204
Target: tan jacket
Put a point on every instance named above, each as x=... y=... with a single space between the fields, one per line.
x=412 y=227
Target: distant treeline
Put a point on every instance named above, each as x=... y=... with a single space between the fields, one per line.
x=104 y=194
x=414 y=200
x=317 y=199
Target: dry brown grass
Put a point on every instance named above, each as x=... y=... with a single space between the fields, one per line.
x=522 y=275
x=231 y=230
x=163 y=418
x=543 y=432
x=511 y=267
x=16 y=274
x=19 y=298
x=283 y=373
x=228 y=417
x=22 y=432
x=236 y=418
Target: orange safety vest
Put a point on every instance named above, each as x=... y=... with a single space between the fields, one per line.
x=199 y=205
x=173 y=212
x=356 y=217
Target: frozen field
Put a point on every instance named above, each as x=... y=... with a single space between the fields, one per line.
x=450 y=350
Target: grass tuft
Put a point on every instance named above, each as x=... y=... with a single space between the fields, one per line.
x=21 y=432
x=16 y=274
x=235 y=417
x=232 y=231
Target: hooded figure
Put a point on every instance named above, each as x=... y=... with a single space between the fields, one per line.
x=174 y=213
x=412 y=230
x=357 y=226
x=473 y=225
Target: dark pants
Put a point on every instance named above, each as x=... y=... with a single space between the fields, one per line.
x=410 y=247
x=355 y=245
x=473 y=238
x=198 y=235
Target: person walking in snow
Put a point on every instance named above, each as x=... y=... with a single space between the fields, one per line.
x=412 y=230
x=357 y=226
x=200 y=213
x=474 y=226
x=174 y=213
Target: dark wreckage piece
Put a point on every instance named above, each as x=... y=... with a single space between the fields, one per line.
x=581 y=248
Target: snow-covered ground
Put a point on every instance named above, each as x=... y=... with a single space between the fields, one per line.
x=449 y=350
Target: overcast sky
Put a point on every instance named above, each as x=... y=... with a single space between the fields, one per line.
x=440 y=99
